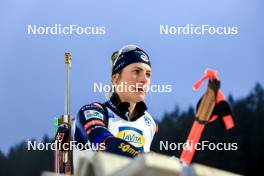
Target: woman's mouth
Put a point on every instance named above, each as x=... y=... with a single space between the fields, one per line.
x=140 y=90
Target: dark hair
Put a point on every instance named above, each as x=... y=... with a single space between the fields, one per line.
x=114 y=56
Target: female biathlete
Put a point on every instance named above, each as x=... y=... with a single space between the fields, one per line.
x=122 y=124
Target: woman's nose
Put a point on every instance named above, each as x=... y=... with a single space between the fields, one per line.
x=143 y=78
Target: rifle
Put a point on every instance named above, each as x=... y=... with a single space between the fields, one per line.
x=63 y=158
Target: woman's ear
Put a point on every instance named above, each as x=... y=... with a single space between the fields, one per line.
x=115 y=78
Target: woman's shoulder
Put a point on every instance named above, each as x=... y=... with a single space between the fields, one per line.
x=149 y=117
x=94 y=107
x=91 y=111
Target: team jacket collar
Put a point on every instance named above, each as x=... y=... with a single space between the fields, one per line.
x=121 y=108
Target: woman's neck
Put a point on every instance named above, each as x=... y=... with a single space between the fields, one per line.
x=131 y=110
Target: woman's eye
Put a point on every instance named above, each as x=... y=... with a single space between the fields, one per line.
x=136 y=72
x=148 y=75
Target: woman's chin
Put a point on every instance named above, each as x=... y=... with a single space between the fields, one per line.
x=139 y=96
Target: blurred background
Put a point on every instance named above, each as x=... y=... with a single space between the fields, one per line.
x=32 y=71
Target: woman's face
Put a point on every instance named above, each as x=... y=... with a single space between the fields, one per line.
x=135 y=81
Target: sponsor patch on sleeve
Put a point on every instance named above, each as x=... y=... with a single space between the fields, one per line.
x=88 y=114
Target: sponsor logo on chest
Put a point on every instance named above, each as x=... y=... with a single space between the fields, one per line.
x=132 y=135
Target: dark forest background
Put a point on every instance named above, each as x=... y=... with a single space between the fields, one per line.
x=174 y=128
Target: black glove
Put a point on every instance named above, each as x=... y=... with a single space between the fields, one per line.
x=62 y=133
x=215 y=84
x=222 y=109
